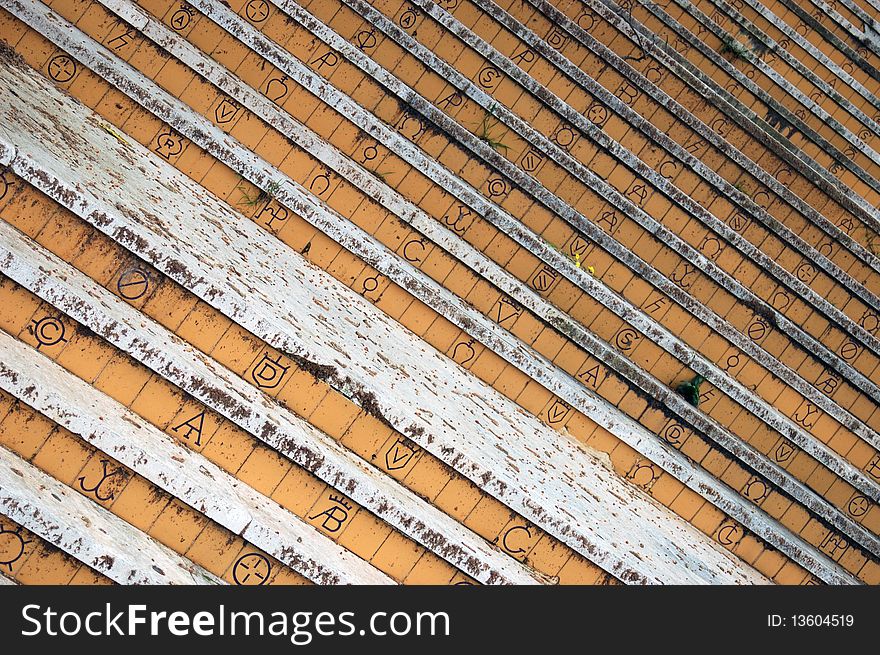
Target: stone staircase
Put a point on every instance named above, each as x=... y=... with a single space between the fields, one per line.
x=401 y=292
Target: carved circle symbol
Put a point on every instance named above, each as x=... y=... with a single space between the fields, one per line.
x=597 y=114
x=133 y=284
x=180 y=19
x=62 y=68
x=251 y=570
x=49 y=331
x=408 y=18
x=497 y=187
x=11 y=546
x=858 y=506
x=257 y=11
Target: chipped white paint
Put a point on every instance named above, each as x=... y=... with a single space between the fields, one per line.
x=88 y=532
x=4 y=581
x=792 y=330
x=741 y=114
x=185 y=474
x=328 y=154
x=645 y=85
x=259 y=283
x=247 y=33
x=78 y=296
x=760 y=122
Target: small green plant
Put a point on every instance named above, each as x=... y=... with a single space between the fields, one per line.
x=730 y=46
x=690 y=390
x=485 y=131
x=382 y=175
x=262 y=195
x=742 y=188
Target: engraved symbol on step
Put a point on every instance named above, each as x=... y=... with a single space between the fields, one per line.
x=806 y=414
x=276 y=88
x=643 y=474
x=328 y=59
x=780 y=300
x=586 y=20
x=673 y=434
x=12 y=545
x=849 y=350
x=609 y=221
x=252 y=569
x=806 y=272
x=858 y=506
x=627 y=93
x=729 y=534
x=543 y=279
x=96 y=488
x=461 y=221
x=711 y=247
x=757 y=329
x=414 y=251
x=257 y=11
x=655 y=304
x=684 y=275
x=61 y=68
x=408 y=17
x=448 y=5
x=738 y=222
x=335 y=515
x=525 y=57
x=873 y=467
x=783 y=452
x=497 y=188
x=556 y=38
x=399 y=455
x=271 y=213
x=626 y=338
x=578 y=246
x=320 y=184
x=870 y=320
x=755 y=490
x=464 y=352
x=565 y=136
x=834 y=545
x=668 y=169
x=513 y=540
x=637 y=192
x=506 y=310
x=121 y=40
x=168 y=144
x=268 y=372
x=488 y=77
x=370 y=284
x=4 y=186
x=365 y=40
x=133 y=284
x=48 y=331
x=731 y=362
x=370 y=153
x=557 y=412
x=408 y=120
x=593 y=375
x=531 y=160
x=827 y=382
x=226 y=111
x=193 y=424
x=452 y=100
x=181 y=18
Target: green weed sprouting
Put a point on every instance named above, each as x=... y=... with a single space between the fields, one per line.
x=262 y=195
x=730 y=46
x=485 y=129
